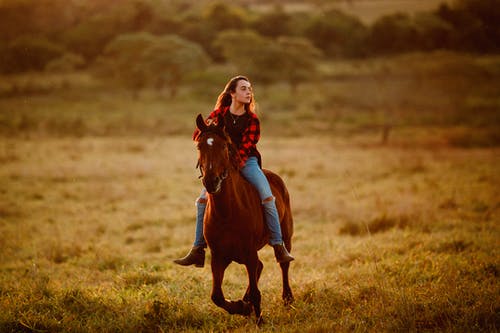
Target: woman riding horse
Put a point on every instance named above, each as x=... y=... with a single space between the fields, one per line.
x=235 y=105
x=234 y=224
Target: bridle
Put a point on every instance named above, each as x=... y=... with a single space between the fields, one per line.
x=199 y=166
x=227 y=145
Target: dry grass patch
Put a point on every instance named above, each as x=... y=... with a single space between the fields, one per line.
x=386 y=239
x=378 y=224
x=141 y=278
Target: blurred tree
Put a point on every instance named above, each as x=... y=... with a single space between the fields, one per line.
x=274 y=23
x=90 y=37
x=299 y=22
x=142 y=15
x=28 y=53
x=393 y=34
x=221 y=16
x=162 y=25
x=121 y=60
x=338 y=34
x=141 y=59
x=488 y=13
x=289 y=59
x=85 y=27
x=476 y=24
x=196 y=29
x=170 y=60
x=93 y=33
x=12 y=14
x=250 y=52
x=433 y=32
x=298 y=60
x=68 y=62
x=214 y=17
x=26 y=17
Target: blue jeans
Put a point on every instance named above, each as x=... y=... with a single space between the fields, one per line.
x=253 y=173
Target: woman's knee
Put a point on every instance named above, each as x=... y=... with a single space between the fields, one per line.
x=268 y=199
x=202 y=199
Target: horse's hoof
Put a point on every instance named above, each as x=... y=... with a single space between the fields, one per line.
x=287 y=299
x=247 y=308
x=241 y=307
x=260 y=321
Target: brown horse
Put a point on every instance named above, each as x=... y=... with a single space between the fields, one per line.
x=234 y=224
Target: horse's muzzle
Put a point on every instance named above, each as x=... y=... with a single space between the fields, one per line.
x=213 y=183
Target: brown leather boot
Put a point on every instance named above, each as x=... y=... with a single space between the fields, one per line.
x=195 y=257
x=282 y=254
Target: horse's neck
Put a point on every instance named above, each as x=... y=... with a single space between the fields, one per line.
x=227 y=196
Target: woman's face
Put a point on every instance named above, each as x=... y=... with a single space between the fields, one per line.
x=243 y=92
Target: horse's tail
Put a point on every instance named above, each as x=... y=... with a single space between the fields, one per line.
x=287 y=221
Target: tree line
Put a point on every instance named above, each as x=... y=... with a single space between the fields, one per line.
x=156 y=43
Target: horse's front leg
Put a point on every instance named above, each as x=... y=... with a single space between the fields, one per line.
x=254 y=268
x=260 y=266
x=239 y=307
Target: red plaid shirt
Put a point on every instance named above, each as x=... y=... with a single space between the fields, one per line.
x=250 y=135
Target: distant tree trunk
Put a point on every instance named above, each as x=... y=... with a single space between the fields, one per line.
x=136 y=87
x=386 y=129
x=173 y=91
x=174 y=83
x=173 y=87
x=293 y=87
x=135 y=90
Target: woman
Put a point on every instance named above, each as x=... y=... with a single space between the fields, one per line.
x=236 y=104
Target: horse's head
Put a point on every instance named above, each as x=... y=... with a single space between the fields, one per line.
x=214 y=149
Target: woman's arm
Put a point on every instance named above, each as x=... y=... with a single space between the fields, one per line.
x=249 y=139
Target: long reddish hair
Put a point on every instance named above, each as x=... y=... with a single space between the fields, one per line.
x=225 y=98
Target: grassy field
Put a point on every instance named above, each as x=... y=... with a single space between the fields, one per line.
x=97 y=195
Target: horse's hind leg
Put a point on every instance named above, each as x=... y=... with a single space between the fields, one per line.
x=238 y=307
x=287 y=291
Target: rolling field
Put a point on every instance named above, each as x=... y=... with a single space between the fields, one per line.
x=386 y=238
x=97 y=193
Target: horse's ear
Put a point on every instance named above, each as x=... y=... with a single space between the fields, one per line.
x=200 y=123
